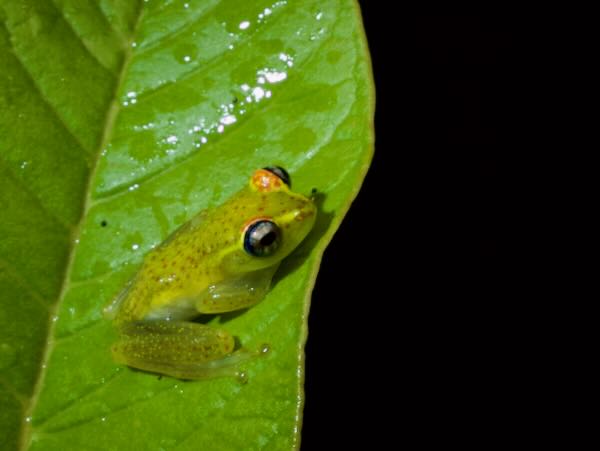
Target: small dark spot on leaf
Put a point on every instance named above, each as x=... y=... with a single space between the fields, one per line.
x=103 y=223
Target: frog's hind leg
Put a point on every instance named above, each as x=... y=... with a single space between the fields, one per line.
x=180 y=349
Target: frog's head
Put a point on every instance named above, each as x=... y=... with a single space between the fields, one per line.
x=273 y=222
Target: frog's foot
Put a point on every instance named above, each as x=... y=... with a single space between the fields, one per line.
x=181 y=349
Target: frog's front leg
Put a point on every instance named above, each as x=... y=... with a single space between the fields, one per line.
x=181 y=349
x=234 y=294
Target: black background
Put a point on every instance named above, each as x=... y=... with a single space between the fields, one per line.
x=407 y=339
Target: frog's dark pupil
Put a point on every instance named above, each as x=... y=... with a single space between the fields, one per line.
x=268 y=239
x=262 y=238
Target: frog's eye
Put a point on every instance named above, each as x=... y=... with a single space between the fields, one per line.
x=262 y=238
x=281 y=173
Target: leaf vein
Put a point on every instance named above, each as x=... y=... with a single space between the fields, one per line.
x=160 y=40
x=108 y=125
x=47 y=102
x=40 y=427
x=73 y=332
x=16 y=275
x=38 y=202
x=11 y=390
x=124 y=189
x=205 y=65
x=108 y=22
x=80 y=38
x=126 y=406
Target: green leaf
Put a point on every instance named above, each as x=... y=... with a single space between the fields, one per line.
x=121 y=119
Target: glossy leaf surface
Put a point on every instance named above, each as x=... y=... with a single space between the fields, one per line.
x=119 y=120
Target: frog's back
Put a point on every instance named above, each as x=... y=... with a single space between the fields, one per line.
x=190 y=260
x=178 y=270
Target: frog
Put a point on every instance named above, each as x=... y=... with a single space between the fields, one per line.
x=222 y=260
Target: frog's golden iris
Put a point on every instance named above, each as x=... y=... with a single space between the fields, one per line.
x=221 y=260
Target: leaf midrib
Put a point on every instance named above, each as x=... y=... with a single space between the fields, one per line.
x=109 y=121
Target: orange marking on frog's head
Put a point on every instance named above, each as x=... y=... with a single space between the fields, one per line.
x=265 y=181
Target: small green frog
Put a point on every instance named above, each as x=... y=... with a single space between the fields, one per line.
x=221 y=260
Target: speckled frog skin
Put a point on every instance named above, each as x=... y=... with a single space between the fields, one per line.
x=222 y=260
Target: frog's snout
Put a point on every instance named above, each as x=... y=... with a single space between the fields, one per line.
x=308 y=211
x=305 y=219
